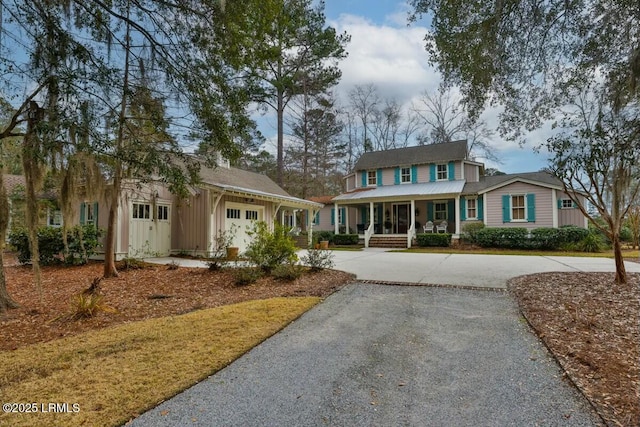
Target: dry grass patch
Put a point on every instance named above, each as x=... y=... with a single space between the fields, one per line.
x=117 y=373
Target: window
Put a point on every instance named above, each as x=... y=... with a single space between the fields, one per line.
x=140 y=211
x=55 y=218
x=340 y=219
x=251 y=215
x=472 y=208
x=163 y=213
x=372 y=178
x=567 y=204
x=440 y=211
x=405 y=175
x=233 y=213
x=442 y=172
x=518 y=211
x=316 y=219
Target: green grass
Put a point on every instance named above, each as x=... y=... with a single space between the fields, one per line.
x=346 y=248
x=490 y=251
x=117 y=373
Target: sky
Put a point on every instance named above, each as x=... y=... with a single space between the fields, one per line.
x=387 y=52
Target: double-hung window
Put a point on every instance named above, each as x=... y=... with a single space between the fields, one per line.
x=405 y=175
x=372 y=178
x=518 y=208
x=442 y=172
x=472 y=208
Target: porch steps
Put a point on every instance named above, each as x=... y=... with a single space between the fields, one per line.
x=388 y=242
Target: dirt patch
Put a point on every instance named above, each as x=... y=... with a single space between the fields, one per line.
x=151 y=292
x=592 y=326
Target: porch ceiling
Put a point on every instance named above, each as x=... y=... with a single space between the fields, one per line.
x=404 y=191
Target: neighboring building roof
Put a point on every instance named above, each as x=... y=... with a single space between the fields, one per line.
x=13 y=181
x=422 y=154
x=488 y=183
x=422 y=189
x=322 y=199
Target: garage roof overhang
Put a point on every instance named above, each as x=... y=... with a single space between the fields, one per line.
x=288 y=201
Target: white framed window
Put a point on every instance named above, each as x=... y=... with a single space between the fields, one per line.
x=372 y=178
x=163 y=213
x=566 y=204
x=440 y=211
x=472 y=208
x=140 y=211
x=518 y=208
x=54 y=218
x=251 y=215
x=233 y=213
x=405 y=175
x=340 y=219
x=442 y=172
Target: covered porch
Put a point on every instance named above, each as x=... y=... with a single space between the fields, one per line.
x=379 y=217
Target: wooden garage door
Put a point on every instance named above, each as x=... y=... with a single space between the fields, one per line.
x=149 y=229
x=242 y=216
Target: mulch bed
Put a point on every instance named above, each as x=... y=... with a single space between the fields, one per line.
x=592 y=326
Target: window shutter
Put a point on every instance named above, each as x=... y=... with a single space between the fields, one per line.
x=451 y=210
x=480 y=208
x=318 y=218
x=396 y=176
x=429 y=211
x=364 y=178
x=463 y=208
x=82 y=213
x=414 y=174
x=574 y=204
x=559 y=203
x=452 y=171
x=333 y=216
x=531 y=207
x=506 y=207
x=432 y=173
x=95 y=214
x=379 y=177
x=343 y=212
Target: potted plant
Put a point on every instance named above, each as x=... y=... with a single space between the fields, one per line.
x=387 y=226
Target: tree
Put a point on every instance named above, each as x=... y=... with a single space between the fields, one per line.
x=281 y=46
x=364 y=100
x=530 y=56
x=597 y=155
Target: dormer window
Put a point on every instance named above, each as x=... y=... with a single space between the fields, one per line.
x=442 y=173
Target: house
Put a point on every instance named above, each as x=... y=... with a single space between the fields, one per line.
x=392 y=194
x=153 y=222
x=16 y=185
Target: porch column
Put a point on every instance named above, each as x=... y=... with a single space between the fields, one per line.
x=336 y=217
x=413 y=223
x=371 y=218
x=346 y=220
x=295 y=220
x=457 y=214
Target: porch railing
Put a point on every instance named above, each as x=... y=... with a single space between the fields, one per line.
x=367 y=235
x=411 y=234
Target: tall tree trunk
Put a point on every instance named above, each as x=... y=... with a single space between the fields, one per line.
x=280 y=157
x=6 y=302
x=110 y=240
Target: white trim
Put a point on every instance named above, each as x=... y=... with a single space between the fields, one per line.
x=524 y=197
x=410 y=174
x=554 y=207
x=466 y=208
x=375 y=175
x=446 y=178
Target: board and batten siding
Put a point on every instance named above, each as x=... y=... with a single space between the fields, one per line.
x=570 y=216
x=471 y=173
x=543 y=202
x=189 y=223
x=351 y=182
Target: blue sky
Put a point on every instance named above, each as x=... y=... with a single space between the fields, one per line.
x=387 y=52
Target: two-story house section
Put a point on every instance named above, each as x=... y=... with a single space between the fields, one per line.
x=394 y=194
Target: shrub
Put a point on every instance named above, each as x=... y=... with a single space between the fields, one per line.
x=268 y=250
x=571 y=234
x=82 y=241
x=434 y=240
x=345 y=239
x=246 y=276
x=544 y=238
x=130 y=263
x=323 y=235
x=591 y=243
x=223 y=241
x=470 y=230
x=288 y=272
x=626 y=235
x=318 y=259
x=512 y=237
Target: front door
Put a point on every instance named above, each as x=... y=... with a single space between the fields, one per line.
x=401 y=218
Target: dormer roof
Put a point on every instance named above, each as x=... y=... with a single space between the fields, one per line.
x=418 y=155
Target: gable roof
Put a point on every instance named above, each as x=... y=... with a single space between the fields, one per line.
x=245 y=183
x=488 y=183
x=13 y=181
x=418 y=155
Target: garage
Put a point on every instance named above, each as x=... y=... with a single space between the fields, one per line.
x=150 y=229
x=241 y=217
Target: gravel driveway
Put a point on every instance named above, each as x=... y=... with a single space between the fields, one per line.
x=374 y=355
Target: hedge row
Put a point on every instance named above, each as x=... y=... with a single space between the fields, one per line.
x=522 y=238
x=434 y=239
x=345 y=239
x=82 y=241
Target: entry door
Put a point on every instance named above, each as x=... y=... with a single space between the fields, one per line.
x=401 y=218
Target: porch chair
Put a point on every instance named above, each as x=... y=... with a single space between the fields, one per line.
x=442 y=227
x=428 y=227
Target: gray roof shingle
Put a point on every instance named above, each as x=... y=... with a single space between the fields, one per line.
x=485 y=182
x=418 y=155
